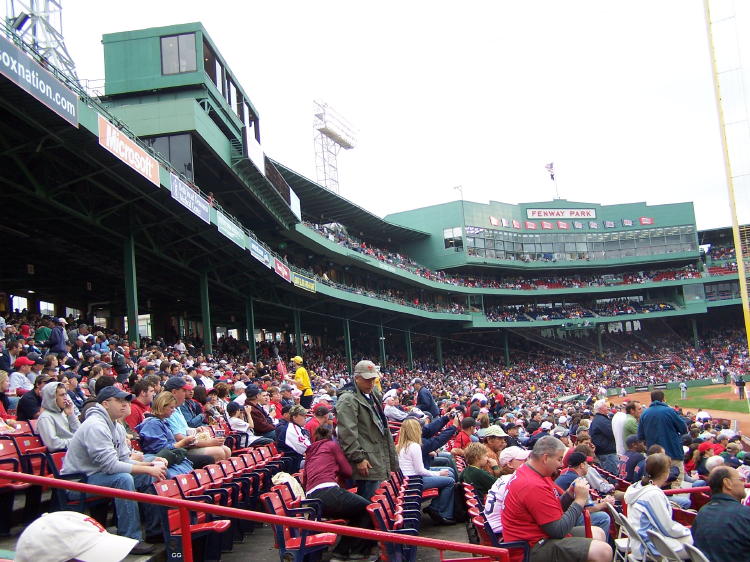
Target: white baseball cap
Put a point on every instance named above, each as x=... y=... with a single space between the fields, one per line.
x=513 y=453
x=69 y=535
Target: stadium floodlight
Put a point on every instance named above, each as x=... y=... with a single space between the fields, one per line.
x=724 y=20
x=39 y=23
x=332 y=133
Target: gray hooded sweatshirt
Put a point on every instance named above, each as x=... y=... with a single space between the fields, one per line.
x=55 y=427
x=99 y=445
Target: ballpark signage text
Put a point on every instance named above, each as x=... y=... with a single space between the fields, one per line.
x=26 y=73
x=190 y=199
x=560 y=213
x=260 y=253
x=230 y=230
x=122 y=146
x=303 y=282
x=282 y=270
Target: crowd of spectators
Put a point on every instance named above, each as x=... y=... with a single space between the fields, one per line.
x=338 y=235
x=569 y=311
x=99 y=392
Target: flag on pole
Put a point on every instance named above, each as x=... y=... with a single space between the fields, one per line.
x=551 y=169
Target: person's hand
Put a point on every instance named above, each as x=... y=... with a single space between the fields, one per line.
x=581 y=490
x=608 y=499
x=186 y=442
x=157 y=471
x=444 y=473
x=136 y=456
x=158 y=459
x=214 y=442
x=364 y=467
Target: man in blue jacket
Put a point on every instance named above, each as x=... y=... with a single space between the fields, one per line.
x=425 y=401
x=661 y=425
x=434 y=436
x=722 y=528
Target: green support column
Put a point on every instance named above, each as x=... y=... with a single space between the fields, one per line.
x=409 y=356
x=208 y=340
x=381 y=345
x=131 y=290
x=505 y=348
x=439 y=351
x=250 y=327
x=348 y=346
x=694 y=324
x=298 y=332
x=599 y=339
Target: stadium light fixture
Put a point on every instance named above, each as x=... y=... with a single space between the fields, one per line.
x=20 y=20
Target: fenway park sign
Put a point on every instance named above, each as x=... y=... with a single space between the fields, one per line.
x=560 y=213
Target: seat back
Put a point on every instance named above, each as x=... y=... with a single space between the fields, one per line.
x=667 y=553
x=215 y=473
x=272 y=504
x=696 y=555
x=9 y=459
x=187 y=483
x=169 y=489
x=33 y=454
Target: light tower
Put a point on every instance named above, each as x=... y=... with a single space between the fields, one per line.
x=332 y=133
x=39 y=23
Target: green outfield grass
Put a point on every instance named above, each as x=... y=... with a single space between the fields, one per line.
x=695 y=399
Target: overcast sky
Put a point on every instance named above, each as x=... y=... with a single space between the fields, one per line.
x=482 y=94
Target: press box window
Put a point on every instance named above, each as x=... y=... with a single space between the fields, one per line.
x=178 y=54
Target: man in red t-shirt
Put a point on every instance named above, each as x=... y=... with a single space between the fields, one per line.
x=533 y=511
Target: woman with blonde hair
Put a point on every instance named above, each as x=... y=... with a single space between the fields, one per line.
x=409 y=450
x=158 y=440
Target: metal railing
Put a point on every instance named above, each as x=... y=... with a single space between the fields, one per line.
x=186 y=506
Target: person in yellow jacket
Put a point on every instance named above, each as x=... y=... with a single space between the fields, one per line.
x=302 y=380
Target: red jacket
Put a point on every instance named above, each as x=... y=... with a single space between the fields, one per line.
x=137 y=413
x=325 y=462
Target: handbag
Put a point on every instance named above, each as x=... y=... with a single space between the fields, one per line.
x=173 y=456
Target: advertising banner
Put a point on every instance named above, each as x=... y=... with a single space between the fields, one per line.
x=560 y=213
x=562 y=225
x=230 y=230
x=593 y=224
x=530 y=225
x=546 y=225
x=516 y=224
x=646 y=220
x=282 y=270
x=190 y=199
x=122 y=146
x=627 y=222
x=25 y=72
x=303 y=282
x=609 y=224
x=577 y=224
x=260 y=253
x=494 y=221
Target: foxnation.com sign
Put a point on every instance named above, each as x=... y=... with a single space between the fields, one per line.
x=25 y=72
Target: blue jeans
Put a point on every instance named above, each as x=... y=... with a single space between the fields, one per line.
x=599 y=519
x=128 y=517
x=443 y=503
x=366 y=488
x=609 y=463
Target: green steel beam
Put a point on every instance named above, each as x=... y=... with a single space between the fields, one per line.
x=505 y=348
x=381 y=345
x=694 y=324
x=348 y=346
x=298 y=332
x=250 y=327
x=208 y=337
x=131 y=288
x=439 y=351
x=409 y=356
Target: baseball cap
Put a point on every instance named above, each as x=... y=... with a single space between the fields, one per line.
x=416 y=380
x=322 y=410
x=494 y=431
x=23 y=360
x=233 y=407
x=631 y=440
x=69 y=535
x=62 y=321
x=366 y=369
x=546 y=425
x=576 y=459
x=176 y=382
x=252 y=391
x=297 y=359
x=513 y=453
x=285 y=387
x=112 y=392
x=297 y=410
x=36 y=358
